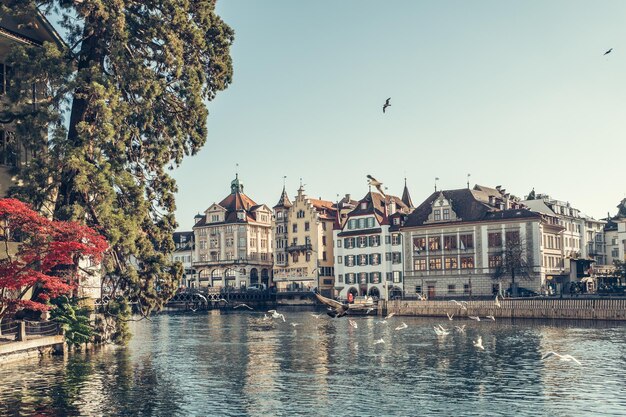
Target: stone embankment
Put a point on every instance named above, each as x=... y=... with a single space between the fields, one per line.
x=536 y=308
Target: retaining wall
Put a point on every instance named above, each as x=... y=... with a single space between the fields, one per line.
x=537 y=308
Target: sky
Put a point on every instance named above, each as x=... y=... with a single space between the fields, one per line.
x=517 y=94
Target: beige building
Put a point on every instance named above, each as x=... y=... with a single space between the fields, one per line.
x=304 y=243
x=233 y=242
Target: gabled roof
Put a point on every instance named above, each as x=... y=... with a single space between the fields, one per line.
x=378 y=205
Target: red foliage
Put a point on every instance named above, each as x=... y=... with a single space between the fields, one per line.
x=47 y=257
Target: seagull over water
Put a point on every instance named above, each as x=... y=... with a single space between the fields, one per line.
x=440 y=330
x=390 y=315
x=474 y=318
x=402 y=326
x=295 y=324
x=387 y=104
x=369 y=310
x=460 y=329
x=276 y=315
x=497 y=302
x=449 y=316
x=379 y=341
x=491 y=318
x=353 y=324
x=479 y=343
x=317 y=316
x=565 y=358
x=243 y=305
x=459 y=304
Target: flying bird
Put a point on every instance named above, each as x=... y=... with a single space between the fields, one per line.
x=387 y=104
x=317 y=316
x=390 y=315
x=243 y=305
x=497 y=302
x=369 y=310
x=295 y=324
x=379 y=341
x=449 y=316
x=607 y=52
x=565 y=358
x=440 y=330
x=374 y=182
x=463 y=307
x=474 y=318
x=276 y=314
x=479 y=343
x=492 y=318
x=402 y=326
x=460 y=329
x=335 y=308
x=353 y=323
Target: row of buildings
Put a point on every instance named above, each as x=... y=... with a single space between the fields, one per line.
x=464 y=242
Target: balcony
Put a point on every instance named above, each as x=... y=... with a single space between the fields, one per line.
x=300 y=248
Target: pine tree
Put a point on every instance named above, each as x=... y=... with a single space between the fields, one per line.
x=122 y=102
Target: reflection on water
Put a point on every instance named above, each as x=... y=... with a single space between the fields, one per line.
x=212 y=364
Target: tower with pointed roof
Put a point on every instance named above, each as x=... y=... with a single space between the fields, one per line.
x=234 y=242
x=406 y=196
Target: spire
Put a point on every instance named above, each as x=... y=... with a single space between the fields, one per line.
x=236 y=186
x=284 y=200
x=406 y=197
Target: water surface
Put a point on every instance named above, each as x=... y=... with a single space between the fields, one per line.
x=216 y=364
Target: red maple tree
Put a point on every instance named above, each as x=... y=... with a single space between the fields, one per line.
x=39 y=258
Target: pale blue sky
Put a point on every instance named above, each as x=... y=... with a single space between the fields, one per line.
x=517 y=93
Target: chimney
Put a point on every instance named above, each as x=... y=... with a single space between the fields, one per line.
x=491 y=200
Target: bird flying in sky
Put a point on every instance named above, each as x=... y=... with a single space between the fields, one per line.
x=373 y=181
x=387 y=104
x=607 y=52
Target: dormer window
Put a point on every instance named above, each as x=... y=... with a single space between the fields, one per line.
x=241 y=215
x=437 y=215
x=446 y=214
x=364 y=205
x=215 y=218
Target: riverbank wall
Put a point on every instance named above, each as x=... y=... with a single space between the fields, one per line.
x=34 y=348
x=536 y=308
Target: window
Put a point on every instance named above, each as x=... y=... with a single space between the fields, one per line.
x=370 y=222
x=451 y=289
x=294 y=228
x=203 y=244
x=364 y=205
x=418 y=289
x=387 y=256
x=466 y=241
x=495 y=240
x=339 y=259
x=338 y=243
x=279 y=215
x=307 y=226
x=362 y=277
x=446 y=214
x=362 y=260
x=361 y=223
x=348 y=242
x=437 y=215
x=397 y=276
x=294 y=242
x=449 y=242
x=419 y=264
x=350 y=278
x=351 y=224
x=242 y=242
x=395 y=239
x=374 y=240
x=323 y=240
x=451 y=263
x=396 y=257
x=349 y=260
x=294 y=256
x=434 y=264
x=495 y=261
x=467 y=262
x=387 y=239
x=512 y=238
x=434 y=243
x=308 y=256
x=375 y=278
x=300 y=214
x=615 y=252
x=341 y=278
x=361 y=241
x=323 y=225
x=466 y=289
x=419 y=244
x=374 y=259
x=307 y=240
x=324 y=256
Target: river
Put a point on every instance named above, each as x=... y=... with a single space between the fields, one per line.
x=216 y=364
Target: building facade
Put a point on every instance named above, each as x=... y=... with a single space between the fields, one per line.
x=304 y=253
x=184 y=253
x=368 y=248
x=233 y=242
x=615 y=231
x=30 y=31
x=476 y=242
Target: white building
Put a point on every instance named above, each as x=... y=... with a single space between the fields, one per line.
x=183 y=253
x=368 y=248
x=233 y=242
